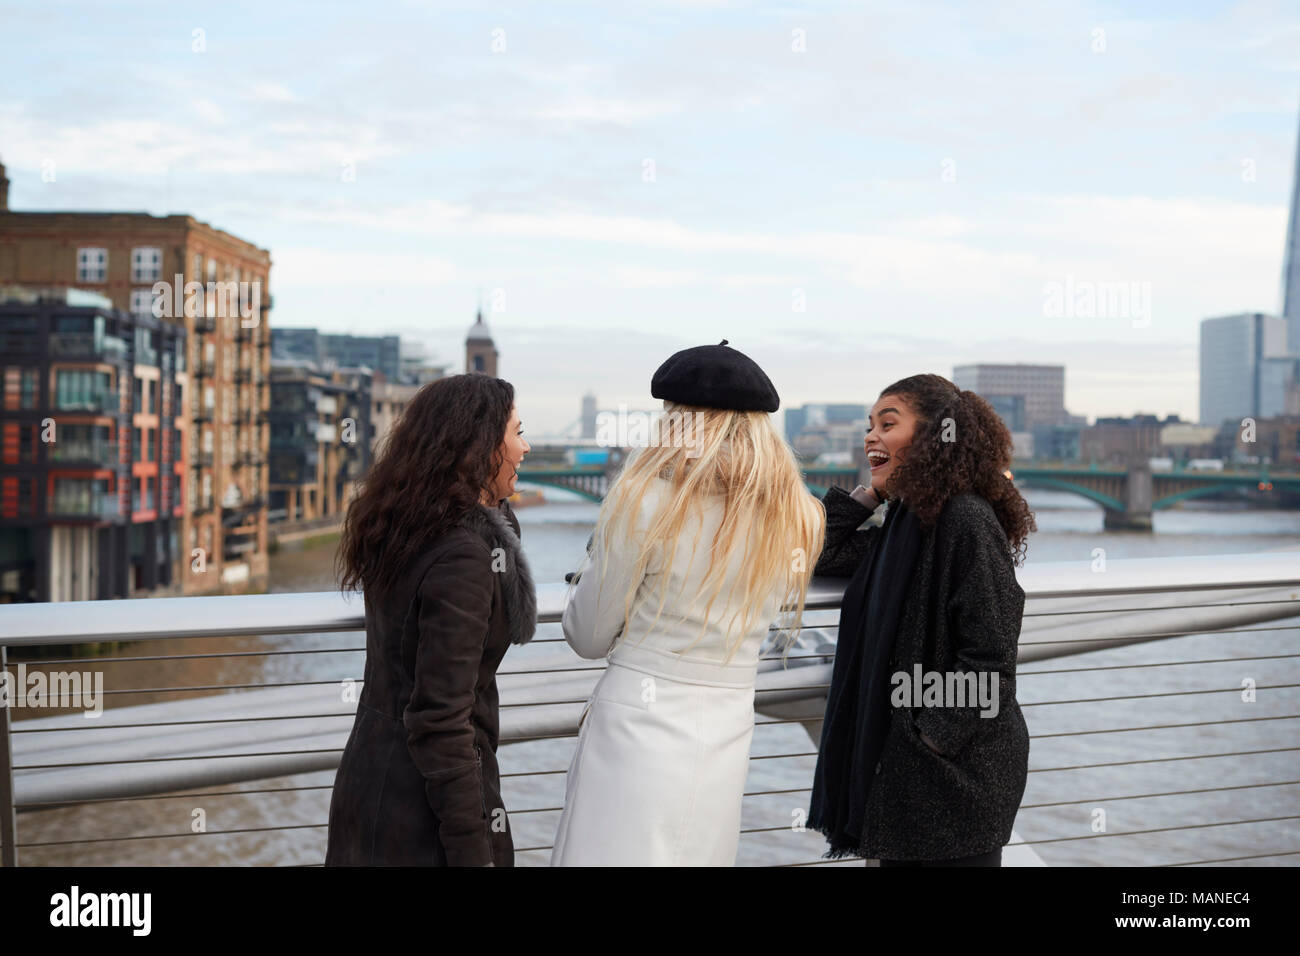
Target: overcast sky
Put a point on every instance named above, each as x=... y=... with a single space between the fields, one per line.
x=846 y=192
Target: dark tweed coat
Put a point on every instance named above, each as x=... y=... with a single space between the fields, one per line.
x=962 y=613
x=418 y=784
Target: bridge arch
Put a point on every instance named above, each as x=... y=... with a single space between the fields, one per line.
x=1061 y=484
x=559 y=482
x=1209 y=488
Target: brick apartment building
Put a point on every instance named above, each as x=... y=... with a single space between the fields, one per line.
x=91 y=461
x=222 y=302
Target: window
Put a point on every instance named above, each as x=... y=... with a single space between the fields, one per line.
x=27 y=394
x=141 y=302
x=146 y=264
x=84 y=390
x=212 y=270
x=92 y=264
x=137 y=444
x=79 y=496
x=137 y=404
x=18 y=333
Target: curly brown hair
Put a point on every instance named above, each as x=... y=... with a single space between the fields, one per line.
x=436 y=461
x=974 y=458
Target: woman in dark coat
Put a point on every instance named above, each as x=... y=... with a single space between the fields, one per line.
x=924 y=751
x=433 y=543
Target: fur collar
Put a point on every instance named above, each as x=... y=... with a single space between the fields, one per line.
x=517 y=578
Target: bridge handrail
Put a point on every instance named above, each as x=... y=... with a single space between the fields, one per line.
x=73 y=622
x=270 y=730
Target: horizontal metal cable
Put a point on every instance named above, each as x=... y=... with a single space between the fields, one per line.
x=812 y=753
x=169 y=836
x=1172 y=693
x=842 y=859
x=1020 y=672
x=551 y=670
x=193 y=687
x=769 y=793
x=1138 y=638
x=1194 y=723
x=1166 y=793
x=1127 y=763
x=45 y=662
x=107 y=763
x=535 y=737
x=756 y=793
x=174 y=723
x=1165 y=607
x=1230 y=859
x=534 y=773
x=1179 y=633
x=170 y=796
x=1185 y=826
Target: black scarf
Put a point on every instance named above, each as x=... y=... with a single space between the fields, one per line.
x=857 y=704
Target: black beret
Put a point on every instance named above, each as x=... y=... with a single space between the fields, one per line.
x=715 y=376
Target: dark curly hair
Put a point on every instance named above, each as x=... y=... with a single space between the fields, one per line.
x=437 y=459
x=974 y=459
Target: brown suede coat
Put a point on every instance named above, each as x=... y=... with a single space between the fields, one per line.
x=418 y=784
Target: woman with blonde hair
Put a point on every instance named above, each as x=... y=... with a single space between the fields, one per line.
x=707 y=533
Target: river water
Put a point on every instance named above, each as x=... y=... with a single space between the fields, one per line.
x=283 y=818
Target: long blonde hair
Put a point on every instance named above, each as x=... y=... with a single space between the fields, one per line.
x=769 y=516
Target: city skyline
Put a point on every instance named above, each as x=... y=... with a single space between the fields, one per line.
x=830 y=190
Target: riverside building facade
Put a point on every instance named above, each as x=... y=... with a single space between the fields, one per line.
x=214 y=287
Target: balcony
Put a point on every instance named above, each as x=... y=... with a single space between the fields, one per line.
x=202 y=507
x=204 y=413
x=205 y=324
x=248 y=504
x=85 y=345
x=204 y=369
x=99 y=506
x=102 y=454
x=233 y=549
x=242 y=374
x=102 y=403
x=201 y=459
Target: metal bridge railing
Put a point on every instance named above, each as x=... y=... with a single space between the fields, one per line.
x=1138 y=755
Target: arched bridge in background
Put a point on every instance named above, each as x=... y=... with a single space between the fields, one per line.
x=592 y=481
x=1128 y=496
x=1131 y=495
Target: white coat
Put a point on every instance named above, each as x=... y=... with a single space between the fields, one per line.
x=663 y=744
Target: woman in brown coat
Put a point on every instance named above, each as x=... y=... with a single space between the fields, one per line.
x=434 y=545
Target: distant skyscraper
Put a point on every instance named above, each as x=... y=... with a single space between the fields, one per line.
x=1237 y=378
x=1291 y=265
x=1041 y=387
